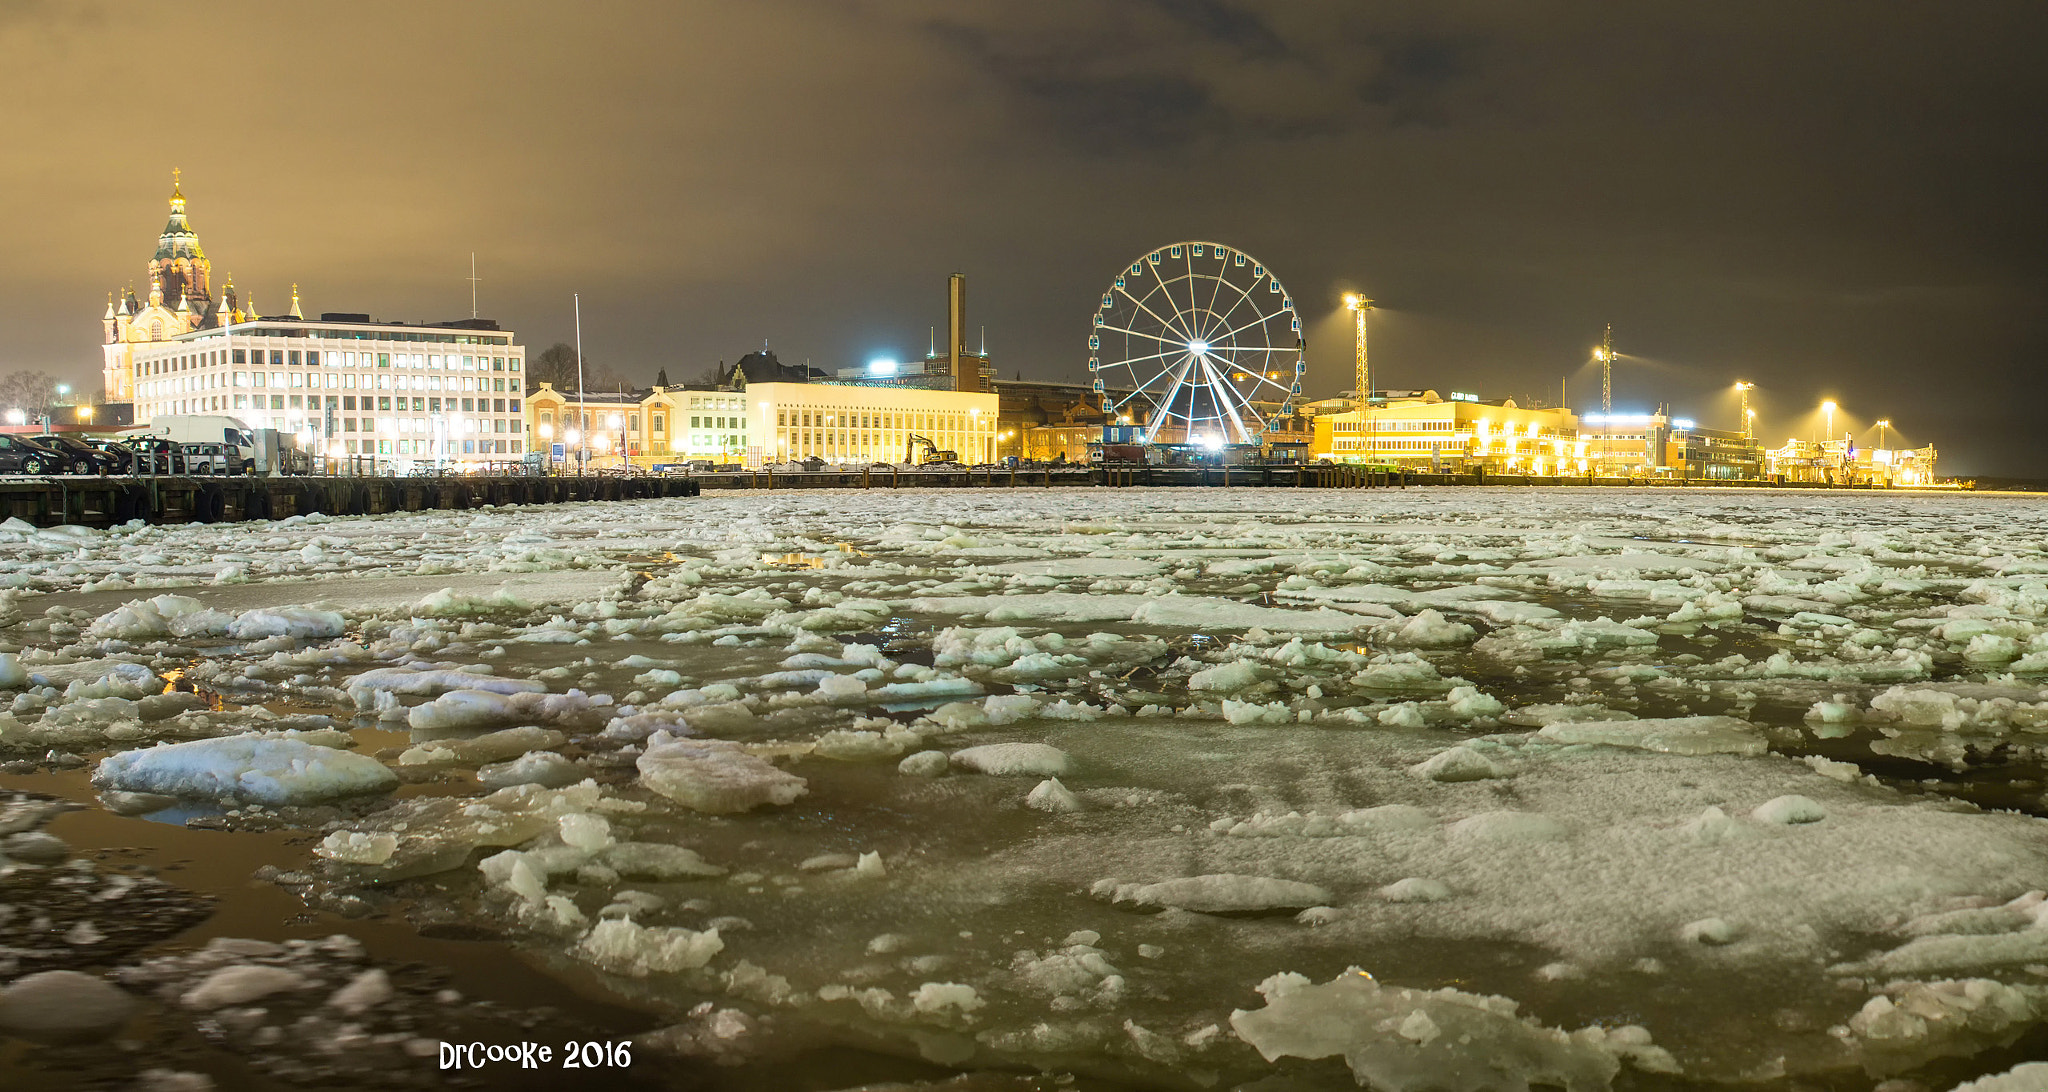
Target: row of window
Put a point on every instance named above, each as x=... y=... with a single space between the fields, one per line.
x=425 y=425
x=311 y=359
x=259 y=380
x=631 y=422
x=950 y=421
x=344 y=404
x=375 y=335
x=428 y=447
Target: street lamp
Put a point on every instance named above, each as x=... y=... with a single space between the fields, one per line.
x=1883 y=425
x=1827 y=410
x=1743 y=389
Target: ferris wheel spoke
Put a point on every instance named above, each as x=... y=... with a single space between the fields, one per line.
x=1141 y=333
x=1164 y=371
x=1261 y=320
x=1244 y=296
x=1180 y=351
x=1140 y=304
x=1225 y=401
x=1217 y=293
x=1166 y=406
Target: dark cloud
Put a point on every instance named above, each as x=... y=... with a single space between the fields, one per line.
x=1828 y=199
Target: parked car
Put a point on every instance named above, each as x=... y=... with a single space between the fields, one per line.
x=154 y=455
x=21 y=455
x=212 y=458
x=80 y=457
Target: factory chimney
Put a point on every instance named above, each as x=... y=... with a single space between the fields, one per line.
x=966 y=369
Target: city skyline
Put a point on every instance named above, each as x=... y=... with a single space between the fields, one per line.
x=1853 y=260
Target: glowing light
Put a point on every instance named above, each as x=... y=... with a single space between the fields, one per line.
x=1682 y=422
x=881 y=367
x=1198 y=347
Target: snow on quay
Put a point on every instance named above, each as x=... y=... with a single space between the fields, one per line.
x=1409 y=790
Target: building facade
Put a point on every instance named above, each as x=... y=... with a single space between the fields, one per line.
x=765 y=424
x=1421 y=430
x=1658 y=445
x=347 y=386
x=848 y=424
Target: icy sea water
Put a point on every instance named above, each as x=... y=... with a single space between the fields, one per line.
x=1448 y=738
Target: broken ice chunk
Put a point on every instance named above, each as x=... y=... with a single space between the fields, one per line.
x=620 y=946
x=1459 y=764
x=1788 y=810
x=1715 y=931
x=1052 y=796
x=714 y=775
x=543 y=768
x=1670 y=735
x=356 y=847
x=937 y=996
x=1012 y=759
x=509 y=743
x=1415 y=889
x=239 y=768
x=1429 y=629
x=1218 y=893
x=923 y=764
x=1516 y=826
x=1441 y=1039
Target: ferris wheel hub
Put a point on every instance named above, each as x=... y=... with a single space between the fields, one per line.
x=1199 y=348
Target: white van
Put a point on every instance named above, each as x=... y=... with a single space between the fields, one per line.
x=263 y=450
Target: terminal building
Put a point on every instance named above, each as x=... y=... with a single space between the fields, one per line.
x=1659 y=445
x=1422 y=430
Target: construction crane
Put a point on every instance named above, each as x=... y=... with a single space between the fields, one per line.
x=933 y=453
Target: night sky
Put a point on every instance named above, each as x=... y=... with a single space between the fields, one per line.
x=1831 y=200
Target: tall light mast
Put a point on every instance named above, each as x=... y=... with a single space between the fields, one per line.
x=1606 y=355
x=1607 y=372
x=1359 y=305
x=1744 y=388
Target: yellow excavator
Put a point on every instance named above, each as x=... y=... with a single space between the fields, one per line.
x=932 y=452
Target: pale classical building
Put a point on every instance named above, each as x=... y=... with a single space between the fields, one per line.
x=764 y=423
x=842 y=424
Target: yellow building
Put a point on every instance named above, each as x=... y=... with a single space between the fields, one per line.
x=764 y=423
x=1421 y=430
x=605 y=428
x=845 y=424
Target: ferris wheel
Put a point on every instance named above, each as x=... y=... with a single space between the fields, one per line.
x=1196 y=343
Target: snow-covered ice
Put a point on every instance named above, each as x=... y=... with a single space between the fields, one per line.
x=1740 y=784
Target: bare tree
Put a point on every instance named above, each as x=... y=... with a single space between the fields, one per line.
x=557 y=364
x=33 y=393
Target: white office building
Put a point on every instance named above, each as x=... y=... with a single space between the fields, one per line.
x=347 y=386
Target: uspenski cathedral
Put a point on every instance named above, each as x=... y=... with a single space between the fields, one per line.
x=180 y=300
